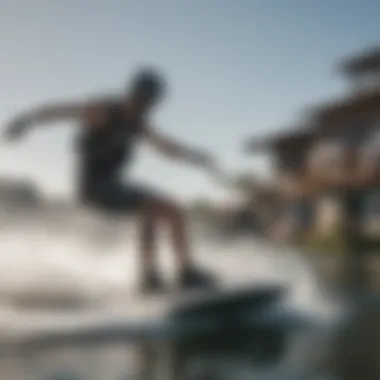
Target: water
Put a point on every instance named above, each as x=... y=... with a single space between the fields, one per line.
x=40 y=263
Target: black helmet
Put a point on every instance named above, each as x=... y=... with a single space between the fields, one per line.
x=148 y=82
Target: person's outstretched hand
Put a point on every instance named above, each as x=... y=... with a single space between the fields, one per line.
x=213 y=168
x=203 y=160
x=220 y=175
x=15 y=130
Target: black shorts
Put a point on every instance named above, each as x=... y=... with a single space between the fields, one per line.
x=118 y=197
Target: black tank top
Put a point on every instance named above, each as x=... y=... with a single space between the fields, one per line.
x=106 y=149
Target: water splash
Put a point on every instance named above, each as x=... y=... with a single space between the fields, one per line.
x=38 y=260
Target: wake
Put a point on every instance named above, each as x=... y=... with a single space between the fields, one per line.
x=42 y=265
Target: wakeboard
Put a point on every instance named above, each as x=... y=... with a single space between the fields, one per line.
x=225 y=302
x=159 y=317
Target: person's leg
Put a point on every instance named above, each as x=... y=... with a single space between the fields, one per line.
x=152 y=210
x=158 y=210
x=174 y=216
x=148 y=247
x=118 y=199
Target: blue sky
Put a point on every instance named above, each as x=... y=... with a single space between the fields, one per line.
x=236 y=67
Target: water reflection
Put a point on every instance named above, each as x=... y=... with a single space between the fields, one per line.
x=122 y=363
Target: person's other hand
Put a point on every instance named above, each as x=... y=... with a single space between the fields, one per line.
x=213 y=168
x=204 y=160
x=15 y=130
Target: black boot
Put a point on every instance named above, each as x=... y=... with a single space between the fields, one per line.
x=196 y=278
x=152 y=283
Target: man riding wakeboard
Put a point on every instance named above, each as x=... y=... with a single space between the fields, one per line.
x=110 y=129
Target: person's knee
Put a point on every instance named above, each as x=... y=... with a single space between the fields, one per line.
x=167 y=210
x=148 y=225
x=176 y=214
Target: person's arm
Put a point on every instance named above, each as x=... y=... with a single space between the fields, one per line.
x=89 y=111
x=175 y=150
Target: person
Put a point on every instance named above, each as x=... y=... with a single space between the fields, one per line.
x=110 y=129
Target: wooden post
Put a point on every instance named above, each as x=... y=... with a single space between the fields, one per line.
x=357 y=280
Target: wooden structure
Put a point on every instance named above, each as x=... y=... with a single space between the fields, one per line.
x=335 y=156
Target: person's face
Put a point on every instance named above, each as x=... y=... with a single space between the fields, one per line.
x=144 y=102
